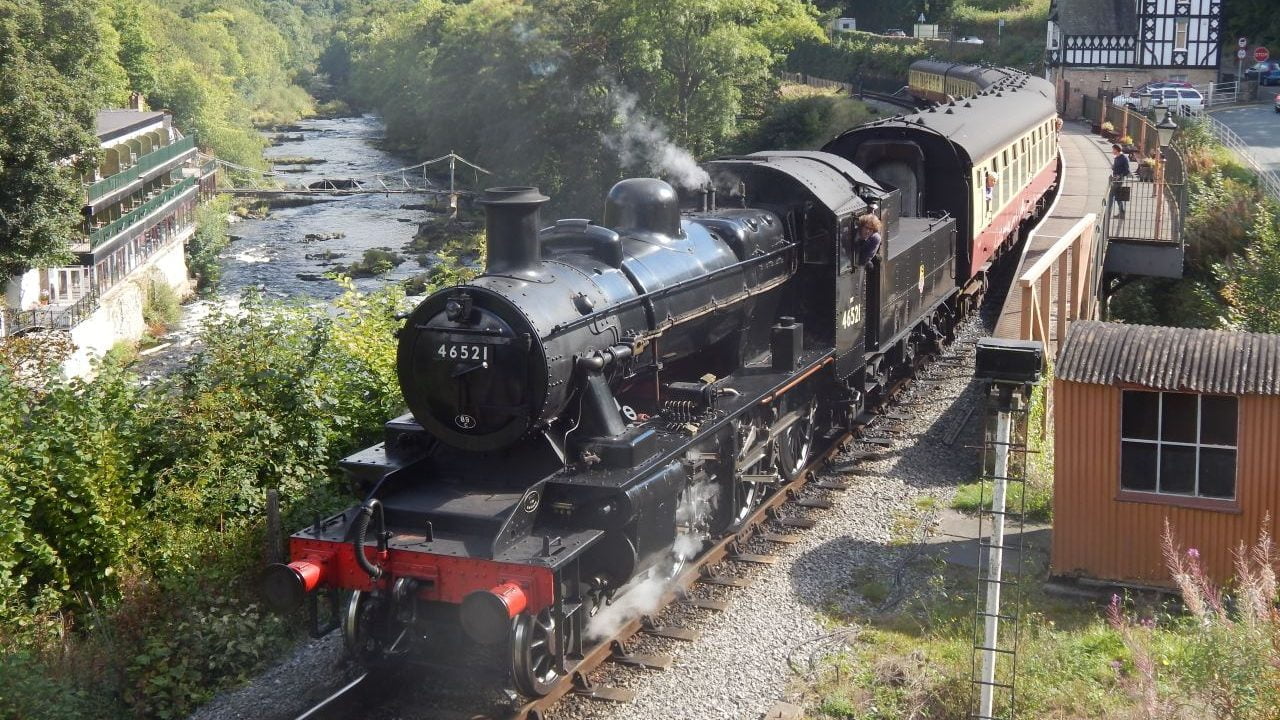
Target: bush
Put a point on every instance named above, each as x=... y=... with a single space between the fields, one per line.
x=125 y=508
x=210 y=239
x=163 y=310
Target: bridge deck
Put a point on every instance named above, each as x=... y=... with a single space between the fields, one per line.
x=1083 y=189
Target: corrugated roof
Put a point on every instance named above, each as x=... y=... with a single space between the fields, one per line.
x=1097 y=17
x=1168 y=358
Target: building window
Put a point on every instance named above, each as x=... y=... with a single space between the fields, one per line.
x=1178 y=444
x=1180 y=33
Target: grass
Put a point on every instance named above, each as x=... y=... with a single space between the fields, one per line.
x=915 y=661
x=977 y=495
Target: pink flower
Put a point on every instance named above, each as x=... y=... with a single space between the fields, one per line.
x=1193 y=553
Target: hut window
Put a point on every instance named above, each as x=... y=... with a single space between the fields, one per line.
x=1178 y=444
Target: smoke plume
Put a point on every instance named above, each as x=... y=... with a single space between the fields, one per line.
x=641 y=141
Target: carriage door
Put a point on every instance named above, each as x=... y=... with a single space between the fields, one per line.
x=851 y=311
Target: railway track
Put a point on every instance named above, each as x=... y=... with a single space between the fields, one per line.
x=785 y=511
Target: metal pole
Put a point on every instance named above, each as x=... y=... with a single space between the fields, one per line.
x=995 y=561
x=1159 y=192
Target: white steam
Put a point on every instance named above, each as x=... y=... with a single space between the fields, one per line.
x=641 y=141
x=693 y=518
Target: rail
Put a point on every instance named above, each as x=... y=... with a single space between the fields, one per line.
x=106 y=232
x=61 y=318
x=146 y=164
x=1070 y=262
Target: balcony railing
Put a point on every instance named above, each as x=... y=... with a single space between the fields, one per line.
x=106 y=232
x=146 y=164
x=49 y=318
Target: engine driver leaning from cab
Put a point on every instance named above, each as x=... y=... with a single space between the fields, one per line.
x=867 y=239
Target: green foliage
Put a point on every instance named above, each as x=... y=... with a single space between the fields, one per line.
x=210 y=239
x=221 y=640
x=971 y=497
x=568 y=94
x=163 y=309
x=805 y=123
x=376 y=261
x=1251 y=282
x=30 y=692
x=49 y=91
x=123 y=504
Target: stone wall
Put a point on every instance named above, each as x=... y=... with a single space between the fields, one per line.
x=1087 y=81
x=119 y=314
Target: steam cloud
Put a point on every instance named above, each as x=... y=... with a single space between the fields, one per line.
x=693 y=516
x=641 y=140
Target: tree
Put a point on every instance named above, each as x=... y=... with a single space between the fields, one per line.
x=49 y=91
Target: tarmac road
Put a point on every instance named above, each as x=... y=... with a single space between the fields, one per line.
x=1259 y=126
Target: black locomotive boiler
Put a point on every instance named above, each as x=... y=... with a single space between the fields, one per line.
x=604 y=390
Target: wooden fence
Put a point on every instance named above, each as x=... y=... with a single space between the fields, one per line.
x=1072 y=262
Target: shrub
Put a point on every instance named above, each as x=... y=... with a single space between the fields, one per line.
x=162 y=310
x=210 y=239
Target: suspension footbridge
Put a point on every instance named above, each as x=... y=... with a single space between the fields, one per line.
x=413 y=179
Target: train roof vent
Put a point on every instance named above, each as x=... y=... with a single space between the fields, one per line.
x=968 y=104
x=950 y=112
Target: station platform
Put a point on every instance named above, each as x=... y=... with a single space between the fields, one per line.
x=1086 y=169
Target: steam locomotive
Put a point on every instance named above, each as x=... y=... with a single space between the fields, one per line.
x=606 y=398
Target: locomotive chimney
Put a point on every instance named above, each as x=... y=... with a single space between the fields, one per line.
x=511 y=230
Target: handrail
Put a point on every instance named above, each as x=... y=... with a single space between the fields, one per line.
x=1267 y=179
x=145 y=164
x=1051 y=255
x=100 y=235
x=66 y=318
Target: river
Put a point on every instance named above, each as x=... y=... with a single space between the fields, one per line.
x=271 y=254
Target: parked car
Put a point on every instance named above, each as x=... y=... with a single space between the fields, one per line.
x=895 y=32
x=1278 y=103
x=1271 y=77
x=1257 y=70
x=969 y=40
x=1178 y=99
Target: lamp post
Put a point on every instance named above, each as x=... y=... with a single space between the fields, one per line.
x=1165 y=128
x=1106 y=81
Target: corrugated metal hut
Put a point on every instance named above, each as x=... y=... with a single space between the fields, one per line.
x=1153 y=423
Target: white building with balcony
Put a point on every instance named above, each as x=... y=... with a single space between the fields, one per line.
x=139 y=212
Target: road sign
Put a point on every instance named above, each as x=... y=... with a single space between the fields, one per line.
x=1242 y=43
x=1241 y=53
x=1260 y=54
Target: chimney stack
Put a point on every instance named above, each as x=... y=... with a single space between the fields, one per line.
x=511 y=231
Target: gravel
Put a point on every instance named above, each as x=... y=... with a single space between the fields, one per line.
x=757 y=652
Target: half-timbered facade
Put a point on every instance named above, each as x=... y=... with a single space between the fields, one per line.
x=1130 y=42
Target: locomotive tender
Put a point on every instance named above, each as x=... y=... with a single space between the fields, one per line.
x=607 y=397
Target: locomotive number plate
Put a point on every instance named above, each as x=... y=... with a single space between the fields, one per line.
x=462 y=351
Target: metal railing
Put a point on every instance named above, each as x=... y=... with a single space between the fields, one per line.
x=106 y=232
x=1153 y=211
x=1268 y=181
x=145 y=164
x=51 y=318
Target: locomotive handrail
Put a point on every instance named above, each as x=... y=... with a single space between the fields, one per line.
x=661 y=292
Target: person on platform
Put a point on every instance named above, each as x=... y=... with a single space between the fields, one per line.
x=1119 y=172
